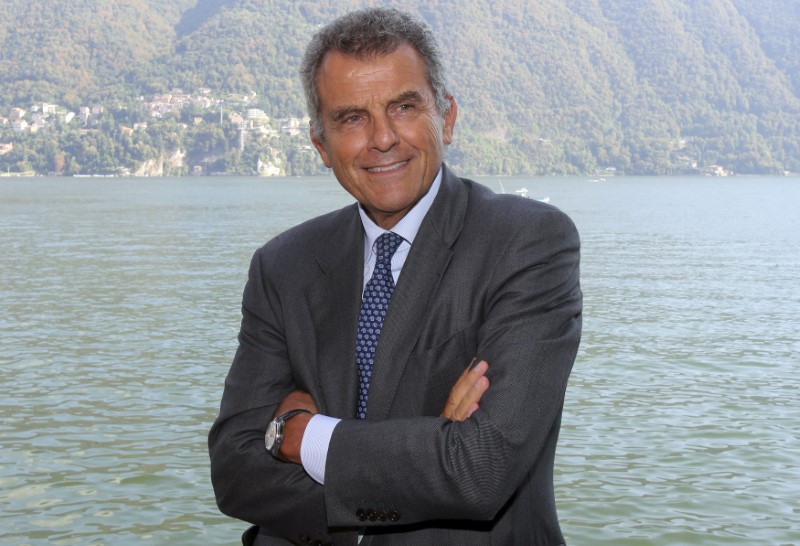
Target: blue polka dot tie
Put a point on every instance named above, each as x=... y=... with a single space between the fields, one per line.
x=373 y=310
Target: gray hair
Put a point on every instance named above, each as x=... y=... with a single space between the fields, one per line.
x=370 y=32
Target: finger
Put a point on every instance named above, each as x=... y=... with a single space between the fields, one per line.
x=471 y=401
x=461 y=390
x=457 y=391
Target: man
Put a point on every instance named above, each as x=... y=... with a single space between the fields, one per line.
x=432 y=422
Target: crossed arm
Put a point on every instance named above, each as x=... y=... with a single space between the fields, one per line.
x=463 y=401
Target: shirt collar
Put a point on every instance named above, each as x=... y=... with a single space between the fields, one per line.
x=409 y=225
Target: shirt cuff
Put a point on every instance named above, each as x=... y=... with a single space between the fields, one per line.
x=314 y=447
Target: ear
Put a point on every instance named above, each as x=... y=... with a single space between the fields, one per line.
x=320 y=146
x=449 y=121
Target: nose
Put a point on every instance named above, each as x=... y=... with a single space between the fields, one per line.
x=383 y=133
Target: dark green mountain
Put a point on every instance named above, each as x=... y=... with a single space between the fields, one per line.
x=640 y=86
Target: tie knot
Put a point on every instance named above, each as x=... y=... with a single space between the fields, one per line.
x=386 y=246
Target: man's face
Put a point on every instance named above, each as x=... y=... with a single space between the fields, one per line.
x=382 y=133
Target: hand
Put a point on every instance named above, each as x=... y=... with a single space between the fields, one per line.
x=295 y=427
x=467 y=392
x=296 y=399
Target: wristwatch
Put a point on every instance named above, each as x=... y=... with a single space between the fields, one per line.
x=274 y=436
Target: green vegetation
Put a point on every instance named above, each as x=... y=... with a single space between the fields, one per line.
x=184 y=141
x=579 y=86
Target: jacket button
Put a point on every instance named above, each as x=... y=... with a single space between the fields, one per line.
x=361 y=514
x=372 y=515
x=394 y=515
x=382 y=515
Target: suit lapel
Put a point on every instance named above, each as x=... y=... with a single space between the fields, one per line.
x=334 y=302
x=426 y=263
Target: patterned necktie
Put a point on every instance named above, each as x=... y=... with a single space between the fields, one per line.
x=373 y=310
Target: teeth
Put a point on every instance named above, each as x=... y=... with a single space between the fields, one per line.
x=389 y=168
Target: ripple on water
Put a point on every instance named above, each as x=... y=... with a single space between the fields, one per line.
x=680 y=424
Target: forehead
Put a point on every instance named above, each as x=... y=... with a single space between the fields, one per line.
x=344 y=78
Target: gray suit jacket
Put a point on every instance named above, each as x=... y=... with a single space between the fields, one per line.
x=492 y=276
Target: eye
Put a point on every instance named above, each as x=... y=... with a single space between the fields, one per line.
x=403 y=109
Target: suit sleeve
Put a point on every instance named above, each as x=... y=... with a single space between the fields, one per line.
x=248 y=483
x=427 y=468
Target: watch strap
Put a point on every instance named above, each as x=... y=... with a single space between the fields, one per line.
x=279 y=423
x=289 y=414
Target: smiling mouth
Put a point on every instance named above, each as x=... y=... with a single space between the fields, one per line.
x=392 y=167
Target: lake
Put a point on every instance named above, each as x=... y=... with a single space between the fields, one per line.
x=120 y=302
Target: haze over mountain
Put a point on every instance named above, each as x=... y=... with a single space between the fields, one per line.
x=641 y=86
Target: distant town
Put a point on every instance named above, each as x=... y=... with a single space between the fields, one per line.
x=246 y=126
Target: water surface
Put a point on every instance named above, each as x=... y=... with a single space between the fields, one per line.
x=120 y=307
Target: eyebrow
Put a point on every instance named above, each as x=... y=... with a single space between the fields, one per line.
x=408 y=96
x=346 y=111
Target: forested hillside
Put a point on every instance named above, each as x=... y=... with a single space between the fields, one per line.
x=544 y=86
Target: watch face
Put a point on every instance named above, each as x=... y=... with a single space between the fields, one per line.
x=272 y=433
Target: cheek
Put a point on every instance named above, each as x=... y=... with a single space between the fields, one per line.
x=432 y=133
x=432 y=138
x=343 y=151
x=347 y=175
